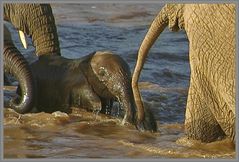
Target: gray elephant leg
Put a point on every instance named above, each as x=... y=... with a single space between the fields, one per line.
x=200 y=123
x=212 y=61
x=225 y=117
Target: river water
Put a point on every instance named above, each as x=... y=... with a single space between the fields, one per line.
x=118 y=27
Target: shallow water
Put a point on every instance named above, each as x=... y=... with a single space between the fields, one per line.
x=82 y=29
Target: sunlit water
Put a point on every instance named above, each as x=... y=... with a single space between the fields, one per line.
x=82 y=29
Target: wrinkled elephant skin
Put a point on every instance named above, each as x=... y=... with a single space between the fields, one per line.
x=37 y=21
x=210 y=28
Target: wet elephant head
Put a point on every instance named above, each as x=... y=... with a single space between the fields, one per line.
x=110 y=77
x=210 y=28
x=16 y=65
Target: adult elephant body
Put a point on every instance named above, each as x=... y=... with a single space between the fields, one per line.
x=93 y=82
x=210 y=29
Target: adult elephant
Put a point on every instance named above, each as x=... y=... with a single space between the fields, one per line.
x=37 y=21
x=16 y=65
x=210 y=28
x=92 y=82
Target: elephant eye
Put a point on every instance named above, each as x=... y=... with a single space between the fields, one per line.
x=101 y=71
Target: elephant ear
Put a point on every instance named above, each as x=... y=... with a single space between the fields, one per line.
x=84 y=62
x=175 y=16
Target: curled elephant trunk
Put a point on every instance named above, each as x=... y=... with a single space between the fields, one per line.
x=157 y=26
x=15 y=64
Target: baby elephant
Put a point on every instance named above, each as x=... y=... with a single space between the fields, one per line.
x=92 y=82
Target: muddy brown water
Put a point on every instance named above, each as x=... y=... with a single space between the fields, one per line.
x=119 y=27
x=83 y=134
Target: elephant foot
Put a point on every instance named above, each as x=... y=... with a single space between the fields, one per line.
x=204 y=131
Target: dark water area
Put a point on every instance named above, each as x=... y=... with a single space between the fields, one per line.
x=120 y=28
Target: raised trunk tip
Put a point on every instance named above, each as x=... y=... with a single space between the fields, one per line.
x=16 y=65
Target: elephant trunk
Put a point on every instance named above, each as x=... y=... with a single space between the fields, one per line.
x=127 y=102
x=36 y=20
x=44 y=32
x=15 y=64
x=157 y=26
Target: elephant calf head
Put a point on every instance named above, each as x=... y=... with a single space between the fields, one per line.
x=110 y=77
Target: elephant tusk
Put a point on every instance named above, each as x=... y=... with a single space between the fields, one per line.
x=23 y=39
